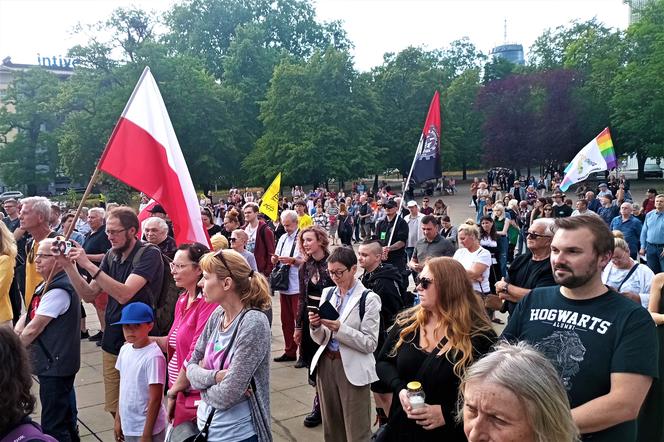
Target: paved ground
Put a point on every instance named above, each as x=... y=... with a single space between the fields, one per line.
x=291 y=396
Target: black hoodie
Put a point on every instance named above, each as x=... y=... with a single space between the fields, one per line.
x=385 y=281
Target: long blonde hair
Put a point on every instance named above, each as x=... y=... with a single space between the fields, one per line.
x=7 y=242
x=252 y=287
x=461 y=316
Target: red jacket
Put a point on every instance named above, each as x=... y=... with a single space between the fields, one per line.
x=264 y=248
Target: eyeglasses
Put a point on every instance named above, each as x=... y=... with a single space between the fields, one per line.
x=337 y=273
x=424 y=282
x=533 y=235
x=175 y=266
x=114 y=232
x=41 y=255
x=220 y=255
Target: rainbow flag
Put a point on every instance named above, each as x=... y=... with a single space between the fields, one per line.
x=596 y=156
x=606 y=148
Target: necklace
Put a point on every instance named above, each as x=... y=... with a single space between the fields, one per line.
x=226 y=326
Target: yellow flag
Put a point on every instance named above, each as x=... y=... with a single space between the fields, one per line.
x=270 y=202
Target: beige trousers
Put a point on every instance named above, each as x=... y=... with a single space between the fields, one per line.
x=345 y=408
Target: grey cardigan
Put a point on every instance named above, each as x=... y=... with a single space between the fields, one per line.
x=251 y=358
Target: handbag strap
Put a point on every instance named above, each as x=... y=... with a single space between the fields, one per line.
x=631 y=272
x=281 y=250
x=208 y=421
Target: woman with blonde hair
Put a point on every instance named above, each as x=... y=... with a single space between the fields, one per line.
x=429 y=348
x=230 y=365
x=7 y=263
x=515 y=393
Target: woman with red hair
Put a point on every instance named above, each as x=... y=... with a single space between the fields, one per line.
x=432 y=344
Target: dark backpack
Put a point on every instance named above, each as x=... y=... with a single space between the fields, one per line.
x=163 y=302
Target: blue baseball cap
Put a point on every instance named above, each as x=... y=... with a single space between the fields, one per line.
x=136 y=313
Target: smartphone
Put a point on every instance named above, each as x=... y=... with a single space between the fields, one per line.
x=312 y=309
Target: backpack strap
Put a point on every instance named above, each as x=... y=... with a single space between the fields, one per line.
x=363 y=303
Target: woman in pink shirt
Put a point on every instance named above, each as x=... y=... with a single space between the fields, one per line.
x=191 y=314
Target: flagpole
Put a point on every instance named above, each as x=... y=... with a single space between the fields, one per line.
x=95 y=173
x=401 y=203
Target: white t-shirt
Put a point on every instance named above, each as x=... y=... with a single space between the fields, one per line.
x=467 y=259
x=139 y=368
x=54 y=303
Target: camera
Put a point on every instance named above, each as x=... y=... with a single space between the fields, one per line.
x=62 y=246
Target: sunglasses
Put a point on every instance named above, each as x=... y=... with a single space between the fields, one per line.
x=533 y=235
x=220 y=255
x=232 y=239
x=424 y=282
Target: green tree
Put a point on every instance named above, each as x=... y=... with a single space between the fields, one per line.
x=404 y=85
x=318 y=123
x=638 y=100
x=207 y=28
x=28 y=116
x=461 y=142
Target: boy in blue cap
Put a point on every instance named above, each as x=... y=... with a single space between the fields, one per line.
x=142 y=368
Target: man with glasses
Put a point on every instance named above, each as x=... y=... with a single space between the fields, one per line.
x=50 y=327
x=531 y=269
x=34 y=219
x=131 y=271
x=288 y=253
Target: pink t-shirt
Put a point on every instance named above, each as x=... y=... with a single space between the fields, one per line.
x=187 y=326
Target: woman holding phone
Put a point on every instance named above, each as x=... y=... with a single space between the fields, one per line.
x=313 y=242
x=344 y=359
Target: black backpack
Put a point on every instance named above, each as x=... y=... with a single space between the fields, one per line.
x=363 y=301
x=163 y=302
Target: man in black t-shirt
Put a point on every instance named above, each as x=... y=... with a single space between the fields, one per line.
x=531 y=269
x=560 y=209
x=124 y=280
x=603 y=345
x=394 y=251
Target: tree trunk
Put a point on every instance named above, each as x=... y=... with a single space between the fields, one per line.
x=641 y=158
x=528 y=172
x=464 y=172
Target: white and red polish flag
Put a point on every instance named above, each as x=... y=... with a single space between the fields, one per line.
x=144 y=153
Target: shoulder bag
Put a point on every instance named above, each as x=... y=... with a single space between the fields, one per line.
x=279 y=277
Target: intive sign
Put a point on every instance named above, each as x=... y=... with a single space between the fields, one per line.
x=59 y=61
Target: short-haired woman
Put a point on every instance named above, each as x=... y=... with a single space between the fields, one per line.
x=432 y=344
x=515 y=394
x=191 y=314
x=344 y=359
x=230 y=365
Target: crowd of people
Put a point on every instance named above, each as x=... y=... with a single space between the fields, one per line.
x=186 y=329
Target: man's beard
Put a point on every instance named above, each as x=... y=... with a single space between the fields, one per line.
x=573 y=280
x=123 y=248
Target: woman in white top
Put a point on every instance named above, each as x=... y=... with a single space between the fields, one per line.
x=474 y=258
x=621 y=276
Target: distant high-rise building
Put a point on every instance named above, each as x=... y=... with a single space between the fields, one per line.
x=511 y=52
x=635 y=7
